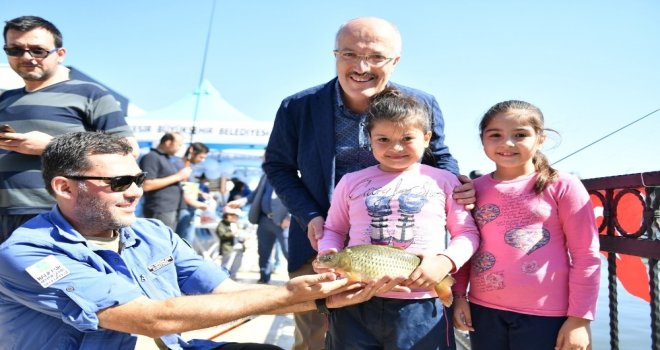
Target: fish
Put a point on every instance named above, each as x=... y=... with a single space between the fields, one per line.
x=368 y=262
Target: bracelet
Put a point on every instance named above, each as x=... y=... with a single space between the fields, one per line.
x=461 y=296
x=321 y=306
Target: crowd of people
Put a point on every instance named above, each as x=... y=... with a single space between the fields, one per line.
x=356 y=160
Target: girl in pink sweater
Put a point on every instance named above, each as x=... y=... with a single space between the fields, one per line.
x=405 y=204
x=533 y=283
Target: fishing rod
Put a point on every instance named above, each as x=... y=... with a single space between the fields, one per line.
x=606 y=136
x=201 y=75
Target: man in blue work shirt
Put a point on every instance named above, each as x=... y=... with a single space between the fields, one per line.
x=90 y=275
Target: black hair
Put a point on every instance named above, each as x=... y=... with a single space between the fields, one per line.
x=67 y=154
x=196 y=148
x=168 y=136
x=28 y=23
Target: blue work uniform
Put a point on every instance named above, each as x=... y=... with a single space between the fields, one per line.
x=53 y=283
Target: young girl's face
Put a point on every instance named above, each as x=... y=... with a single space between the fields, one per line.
x=398 y=147
x=511 y=144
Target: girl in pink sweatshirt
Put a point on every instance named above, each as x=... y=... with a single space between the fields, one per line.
x=405 y=204
x=533 y=283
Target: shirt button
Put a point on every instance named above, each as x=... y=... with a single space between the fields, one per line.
x=70 y=289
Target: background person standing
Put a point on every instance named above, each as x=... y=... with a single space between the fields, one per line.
x=193 y=197
x=272 y=219
x=162 y=188
x=49 y=104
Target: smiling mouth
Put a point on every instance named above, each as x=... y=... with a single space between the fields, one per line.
x=397 y=157
x=131 y=205
x=361 y=78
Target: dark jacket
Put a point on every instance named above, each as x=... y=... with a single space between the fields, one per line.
x=279 y=211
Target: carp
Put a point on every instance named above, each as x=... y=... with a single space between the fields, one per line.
x=368 y=262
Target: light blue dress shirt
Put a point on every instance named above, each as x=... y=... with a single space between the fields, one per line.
x=52 y=283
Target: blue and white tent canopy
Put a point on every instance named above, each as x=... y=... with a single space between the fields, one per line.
x=217 y=123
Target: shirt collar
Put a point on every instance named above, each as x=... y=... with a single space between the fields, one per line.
x=63 y=226
x=340 y=101
x=343 y=111
x=126 y=235
x=160 y=152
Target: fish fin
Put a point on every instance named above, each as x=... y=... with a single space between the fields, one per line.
x=353 y=277
x=443 y=289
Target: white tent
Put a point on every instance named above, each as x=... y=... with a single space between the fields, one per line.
x=236 y=141
x=217 y=124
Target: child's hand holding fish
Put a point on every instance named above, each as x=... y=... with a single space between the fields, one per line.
x=432 y=269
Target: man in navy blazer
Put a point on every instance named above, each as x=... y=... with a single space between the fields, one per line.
x=318 y=136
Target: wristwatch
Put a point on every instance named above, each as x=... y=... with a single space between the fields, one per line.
x=321 y=306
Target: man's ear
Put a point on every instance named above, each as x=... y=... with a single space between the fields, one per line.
x=396 y=61
x=61 y=52
x=62 y=187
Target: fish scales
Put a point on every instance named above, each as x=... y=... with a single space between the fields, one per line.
x=366 y=262
x=379 y=261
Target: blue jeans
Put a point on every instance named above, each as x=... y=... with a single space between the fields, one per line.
x=267 y=233
x=391 y=324
x=277 y=257
x=506 y=330
x=184 y=227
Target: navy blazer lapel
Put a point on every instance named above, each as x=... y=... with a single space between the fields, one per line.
x=324 y=133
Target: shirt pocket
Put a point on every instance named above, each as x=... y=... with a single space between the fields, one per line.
x=159 y=280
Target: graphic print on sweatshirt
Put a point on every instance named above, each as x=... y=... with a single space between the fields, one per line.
x=516 y=220
x=394 y=209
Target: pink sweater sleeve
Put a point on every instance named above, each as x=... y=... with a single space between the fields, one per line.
x=337 y=224
x=462 y=229
x=577 y=219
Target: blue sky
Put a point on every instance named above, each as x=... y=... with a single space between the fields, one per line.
x=591 y=66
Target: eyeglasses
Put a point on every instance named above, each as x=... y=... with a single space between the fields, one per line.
x=374 y=59
x=36 y=52
x=117 y=183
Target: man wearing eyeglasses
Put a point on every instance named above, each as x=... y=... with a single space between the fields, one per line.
x=90 y=275
x=319 y=135
x=50 y=104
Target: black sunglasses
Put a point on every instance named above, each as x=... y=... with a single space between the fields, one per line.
x=36 y=52
x=117 y=183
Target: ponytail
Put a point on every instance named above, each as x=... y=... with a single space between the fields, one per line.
x=545 y=173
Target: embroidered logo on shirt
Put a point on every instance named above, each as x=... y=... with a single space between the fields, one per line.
x=160 y=264
x=47 y=271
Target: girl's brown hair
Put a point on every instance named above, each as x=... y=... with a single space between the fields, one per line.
x=532 y=116
x=394 y=106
